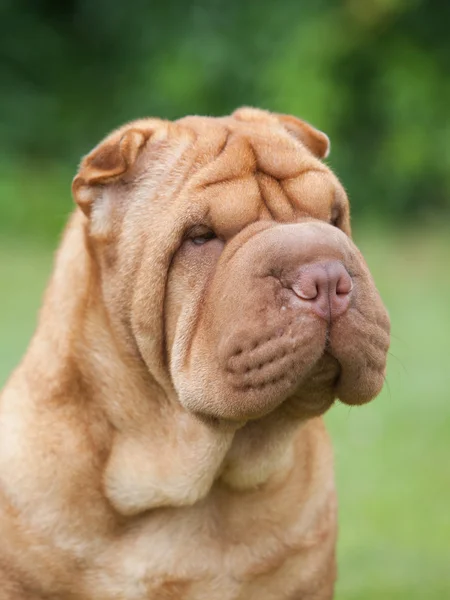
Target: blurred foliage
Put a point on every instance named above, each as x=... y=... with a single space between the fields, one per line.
x=373 y=75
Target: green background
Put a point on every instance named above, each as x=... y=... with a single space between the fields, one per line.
x=373 y=74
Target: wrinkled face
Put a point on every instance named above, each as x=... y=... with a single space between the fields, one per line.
x=228 y=266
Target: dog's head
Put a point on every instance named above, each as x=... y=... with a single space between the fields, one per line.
x=226 y=263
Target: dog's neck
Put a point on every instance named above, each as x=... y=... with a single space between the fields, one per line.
x=155 y=453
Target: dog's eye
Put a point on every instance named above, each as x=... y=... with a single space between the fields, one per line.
x=201 y=235
x=202 y=239
x=335 y=216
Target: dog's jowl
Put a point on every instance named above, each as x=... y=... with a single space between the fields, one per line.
x=163 y=436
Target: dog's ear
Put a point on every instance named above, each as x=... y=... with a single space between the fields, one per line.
x=316 y=141
x=109 y=161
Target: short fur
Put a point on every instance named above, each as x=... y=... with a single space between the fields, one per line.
x=162 y=437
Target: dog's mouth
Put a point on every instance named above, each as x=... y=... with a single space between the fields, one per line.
x=290 y=362
x=285 y=353
x=266 y=361
x=302 y=367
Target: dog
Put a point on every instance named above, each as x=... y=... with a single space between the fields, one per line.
x=162 y=437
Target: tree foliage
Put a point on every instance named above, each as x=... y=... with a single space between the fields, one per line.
x=373 y=75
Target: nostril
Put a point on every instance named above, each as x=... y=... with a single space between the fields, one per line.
x=306 y=289
x=311 y=282
x=344 y=285
x=340 y=282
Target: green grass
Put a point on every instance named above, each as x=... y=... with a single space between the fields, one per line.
x=392 y=456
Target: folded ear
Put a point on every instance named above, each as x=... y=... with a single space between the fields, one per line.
x=108 y=161
x=316 y=141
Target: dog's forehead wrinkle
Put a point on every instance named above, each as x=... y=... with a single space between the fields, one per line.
x=209 y=137
x=223 y=146
x=258 y=143
x=280 y=200
x=223 y=152
x=290 y=199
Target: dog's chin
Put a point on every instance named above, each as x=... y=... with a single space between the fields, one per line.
x=238 y=406
x=316 y=394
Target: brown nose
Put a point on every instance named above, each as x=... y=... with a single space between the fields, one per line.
x=326 y=286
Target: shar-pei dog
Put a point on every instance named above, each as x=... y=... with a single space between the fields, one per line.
x=162 y=437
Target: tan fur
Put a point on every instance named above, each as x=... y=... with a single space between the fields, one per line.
x=162 y=437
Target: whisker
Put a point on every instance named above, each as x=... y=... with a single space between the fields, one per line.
x=348 y=412
x=399 y=339
x=388 y=387
x=400 y=362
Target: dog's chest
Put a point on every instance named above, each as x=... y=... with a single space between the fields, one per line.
x=195 y=559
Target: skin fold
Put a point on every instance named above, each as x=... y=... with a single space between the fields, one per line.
x=162 y=437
